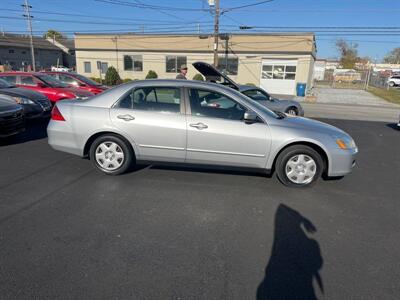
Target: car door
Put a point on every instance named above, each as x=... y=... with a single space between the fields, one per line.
x=154 y=119
x=218 y=135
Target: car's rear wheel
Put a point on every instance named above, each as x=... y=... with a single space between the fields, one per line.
x=292 y=111
x=111 y=154
x=299 y=166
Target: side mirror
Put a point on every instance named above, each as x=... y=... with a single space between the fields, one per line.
x=41 y=85
x=79 y=83
x=250 y=117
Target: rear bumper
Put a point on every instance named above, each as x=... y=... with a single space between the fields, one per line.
x=342 y=162
x=61 y=138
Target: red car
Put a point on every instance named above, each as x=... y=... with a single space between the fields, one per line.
x=52 y=88
x=79 y=81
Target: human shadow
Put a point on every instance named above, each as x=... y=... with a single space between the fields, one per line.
x=295 y=259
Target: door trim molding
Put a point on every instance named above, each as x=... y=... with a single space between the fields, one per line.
x=162 y=147
x=226 y=153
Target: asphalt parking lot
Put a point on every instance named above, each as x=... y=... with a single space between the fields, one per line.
x=69 y=232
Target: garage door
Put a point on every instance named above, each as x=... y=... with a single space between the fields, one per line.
x=278 y=76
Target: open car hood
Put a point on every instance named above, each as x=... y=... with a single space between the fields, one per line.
x=213 y=75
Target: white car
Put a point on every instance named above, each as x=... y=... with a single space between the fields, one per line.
x=394 y=80
x=60 y=69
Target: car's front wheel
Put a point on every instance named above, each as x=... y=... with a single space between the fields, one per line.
x=299 y=166
x=292 y=111
x=111 y=154
x=391 y=83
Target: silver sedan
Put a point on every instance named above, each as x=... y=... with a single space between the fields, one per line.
x=193 y=122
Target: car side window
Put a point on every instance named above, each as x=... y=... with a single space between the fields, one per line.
x=214 y=105
x=68 y=79
x=256 y=95
x=10 y=79
x=28 y=80
x=160 y=99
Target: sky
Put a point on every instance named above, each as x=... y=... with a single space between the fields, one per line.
x=183 y=16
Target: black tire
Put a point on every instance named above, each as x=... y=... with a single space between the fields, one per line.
x=290 y=152
x=391 y=83
x=129 y=156
x=292 y=109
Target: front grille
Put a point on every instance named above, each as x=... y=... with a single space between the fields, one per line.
x=11 y=122
x=45 y=103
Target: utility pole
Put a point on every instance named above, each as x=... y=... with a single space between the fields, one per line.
x=115 y=40
x=216 y=32
x=28 y=16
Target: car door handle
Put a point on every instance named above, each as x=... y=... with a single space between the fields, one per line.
x=126 y=117
x=199 y=126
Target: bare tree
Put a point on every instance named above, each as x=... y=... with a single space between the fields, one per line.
x=348 y=53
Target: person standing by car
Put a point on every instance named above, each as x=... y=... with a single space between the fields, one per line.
x=183 y=72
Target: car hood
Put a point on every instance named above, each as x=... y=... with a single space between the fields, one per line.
x=211 y=73
x=20 y=92
x=8 y=105
x=311 y=125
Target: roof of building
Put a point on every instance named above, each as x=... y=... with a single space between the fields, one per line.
x=299 y=42
x=23 y=41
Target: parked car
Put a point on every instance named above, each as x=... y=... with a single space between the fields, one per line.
x=196 y=122
x=79 y=81
x=12 y=119
x=394 y=80
x=35 y=104
x=52 y=88
x=258 y=94
x=60 y=69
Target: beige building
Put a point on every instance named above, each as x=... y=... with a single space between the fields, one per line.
x=276 y=62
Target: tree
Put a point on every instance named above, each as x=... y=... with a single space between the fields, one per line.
x=53 y=34
x=198 y=77
x=393 y=57
x=151 y=75
x=348 y=54
x=112 y=77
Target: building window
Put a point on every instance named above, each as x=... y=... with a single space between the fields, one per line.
x=278 y=72
x=87 y=67
x=104 y=67
x=174 y=63
x=229 y=67
x=11 y=51
x=23 y=52
x=133 y=63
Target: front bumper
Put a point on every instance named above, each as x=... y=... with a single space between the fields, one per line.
x=342 y=162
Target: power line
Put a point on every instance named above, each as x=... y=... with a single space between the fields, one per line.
x=246 y=5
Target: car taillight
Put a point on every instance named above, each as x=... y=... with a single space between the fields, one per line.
x=56 y=115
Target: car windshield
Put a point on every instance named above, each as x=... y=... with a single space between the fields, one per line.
x=258 y=105
x=87 y=80
x=51 y=81
x=257 y=95
x=4 y=84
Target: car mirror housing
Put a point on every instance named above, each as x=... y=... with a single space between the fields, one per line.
x=250 y=117
x=41 y=85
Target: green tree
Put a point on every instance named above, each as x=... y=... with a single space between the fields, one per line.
x=393 y=57
x=53 y=34
x=151 y=75
x=348 y=54
x=198 y=77
x=112 y=77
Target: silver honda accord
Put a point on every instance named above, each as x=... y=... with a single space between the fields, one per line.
x=193 y=122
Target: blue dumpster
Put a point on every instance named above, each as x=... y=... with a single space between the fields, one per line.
x=301 y=89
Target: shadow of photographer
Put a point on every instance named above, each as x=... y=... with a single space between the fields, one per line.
x=295 y=259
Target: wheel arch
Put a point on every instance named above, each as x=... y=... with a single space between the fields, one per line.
x=94 y=136
x=318 y=148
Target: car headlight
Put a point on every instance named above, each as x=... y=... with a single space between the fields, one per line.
x=22 y=100
x=345 y=142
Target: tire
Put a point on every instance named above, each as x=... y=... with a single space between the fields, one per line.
x=391 y=84
x=292 y=111
x=305 y=171
x=111 y=154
